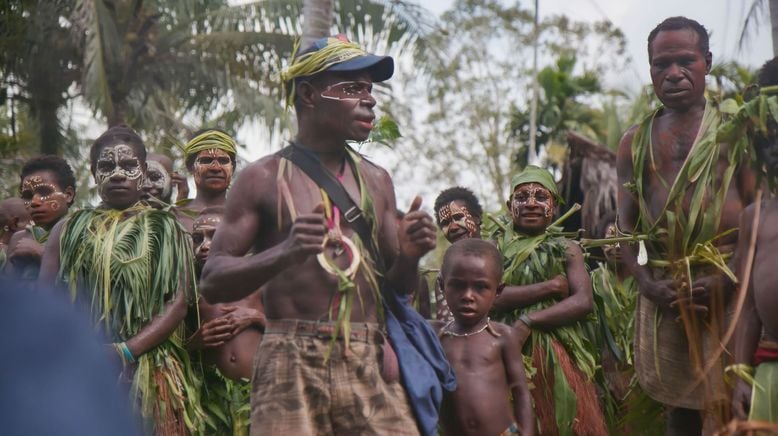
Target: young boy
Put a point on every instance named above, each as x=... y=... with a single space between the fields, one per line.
x=47 y=187
x=757 y=329
x=228 y=337
x=485 y=355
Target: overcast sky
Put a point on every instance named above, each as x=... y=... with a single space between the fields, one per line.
x=722 y=18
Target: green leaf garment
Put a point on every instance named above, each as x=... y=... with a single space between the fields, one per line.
x=681 y=241
x=228 y=403
x=126 y=265
x=631 y=408
x=679 y=237
x=534 y=259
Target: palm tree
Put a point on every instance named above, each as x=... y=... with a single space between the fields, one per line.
x=754 y=16
x=38 y=65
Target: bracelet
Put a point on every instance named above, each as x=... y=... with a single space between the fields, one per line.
x=125 y=352
x=526 y=320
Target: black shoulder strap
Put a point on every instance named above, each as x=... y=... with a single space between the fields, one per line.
x=311 y=166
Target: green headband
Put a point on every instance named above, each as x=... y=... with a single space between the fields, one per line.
x=209 y=140
x=533 y=174
x=336 y=51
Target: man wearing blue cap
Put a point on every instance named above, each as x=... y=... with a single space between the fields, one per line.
x=324 y=365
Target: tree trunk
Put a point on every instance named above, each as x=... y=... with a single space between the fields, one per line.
x=48 y=128
x=774 y=24
x=317 y=20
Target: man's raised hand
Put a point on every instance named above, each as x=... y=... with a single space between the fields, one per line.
x=307 y=235
x=416 y=232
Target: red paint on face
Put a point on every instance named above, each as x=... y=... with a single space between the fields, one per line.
x=213 y=170
x=532 y=208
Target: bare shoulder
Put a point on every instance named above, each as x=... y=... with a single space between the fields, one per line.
x=57 y=229
x=261 y=170
x=573 y=249
x=372 y=170
x=18 y=236
x=625 y=144
x=506 y=332
x=256 y=182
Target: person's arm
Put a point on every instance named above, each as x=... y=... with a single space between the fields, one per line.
x=515 y=297
x=662 y=292
x=575 y=307
x=423 y=297
x=404 y=244
x=749 y=325
x=47 y=276
x=228 y=274
x=517 y=381
x=160 y=327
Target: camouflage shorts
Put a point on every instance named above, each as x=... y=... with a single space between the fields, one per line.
x=294 y=391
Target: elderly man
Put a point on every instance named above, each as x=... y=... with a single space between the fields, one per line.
x=682 y=189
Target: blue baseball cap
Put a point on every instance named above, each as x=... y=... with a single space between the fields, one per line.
x=380 y=68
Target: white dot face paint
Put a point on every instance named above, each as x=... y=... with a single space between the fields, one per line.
x=43 y=197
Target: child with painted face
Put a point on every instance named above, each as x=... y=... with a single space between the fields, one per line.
x=458 y=214
x=157 y=185
x=133 y=267
x=47 y=188
x=548 y=293
x=228 y=337
x=485 y=355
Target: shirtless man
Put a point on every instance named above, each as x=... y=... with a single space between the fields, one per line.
x=48 y=188
x=158 y=186
x=757 y=330
x=210 y=157
x=486 y=355
x=230 y=333
x=304 y=382
x=685 y=126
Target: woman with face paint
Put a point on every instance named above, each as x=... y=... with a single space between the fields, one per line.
x=133 y=267
x=210 y=157
x=548 y=294
x=48 y=188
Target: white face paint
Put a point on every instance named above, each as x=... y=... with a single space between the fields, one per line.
x=158 y=183
x=119 y=159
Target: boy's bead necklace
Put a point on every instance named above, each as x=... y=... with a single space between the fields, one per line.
x=446 y=330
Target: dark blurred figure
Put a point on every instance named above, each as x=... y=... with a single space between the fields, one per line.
x=55 y=377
